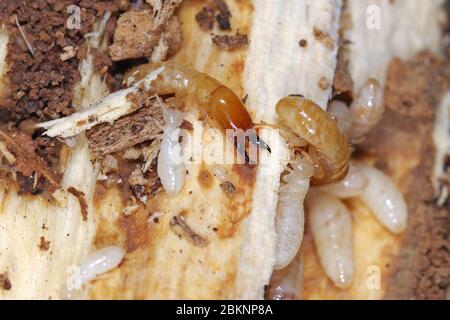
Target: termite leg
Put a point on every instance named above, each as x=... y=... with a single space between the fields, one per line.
x=241 y=149
x=255 y=139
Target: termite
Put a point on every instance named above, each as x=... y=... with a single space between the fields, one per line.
x=367 y=109
x=327 y=147
x=219 y=101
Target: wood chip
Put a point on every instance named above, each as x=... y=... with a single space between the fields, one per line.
x=163 y=9
x=69 y=52
x=182 y=229
x=27 y=161
x=82 y=200
x=137 y=36
x=226 y=42
x=228 y=188
x=143 y=125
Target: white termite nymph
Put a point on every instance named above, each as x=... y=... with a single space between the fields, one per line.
x=331 y=228
x=289 y=223
x=385 y=200
x=171 y=168
x=97 y=263
x=367 y=109
x=354 y=183
x=100 y=262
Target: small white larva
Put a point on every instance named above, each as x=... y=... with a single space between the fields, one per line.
x=171 y=169
x=290 y=218
x=331 y=227
x=367 y=109
x=101 y=261
x=351 y=186
x=385 y=200
x=95 y=264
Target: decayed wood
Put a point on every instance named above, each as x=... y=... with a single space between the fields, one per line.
x=225 y=268
x=136 y=36
x=107 y=109
x=37 y=274
x=406 y=27
x=163 y=10
x=26 y=160
x=240 y=233
x=143 y=125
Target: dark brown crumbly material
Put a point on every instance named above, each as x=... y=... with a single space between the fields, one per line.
x=227 y=42
x=41 y=85
x=224 y=15
x=142 y=125
x=215 y=11
x=27 y=162
x=403 y=139
x=5 y=283
x=44 y=245
x=43 y=69
x=205 y=19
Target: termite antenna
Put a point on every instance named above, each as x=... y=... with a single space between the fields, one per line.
x=255 y=139
x=261 y=144
x=241 y=149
